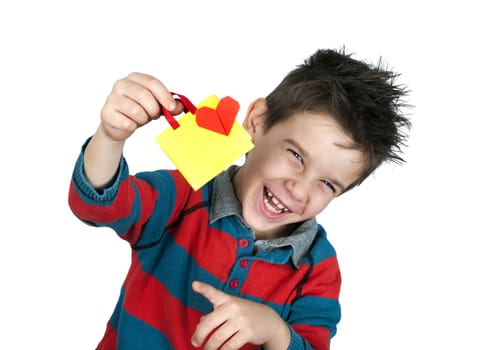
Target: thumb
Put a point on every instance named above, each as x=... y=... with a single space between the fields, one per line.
x=215 y=296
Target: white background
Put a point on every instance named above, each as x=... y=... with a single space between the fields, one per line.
x=407 y=239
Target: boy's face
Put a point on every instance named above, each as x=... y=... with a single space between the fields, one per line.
x=295 y=169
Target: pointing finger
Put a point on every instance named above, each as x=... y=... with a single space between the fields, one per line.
x=215 y=296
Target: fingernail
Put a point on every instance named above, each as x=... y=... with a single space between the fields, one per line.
x=194 y=343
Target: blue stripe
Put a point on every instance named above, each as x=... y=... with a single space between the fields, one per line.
x=138 y=335
x=87 y=192
x=316 y=311
x=232 y=227
x=166 y=198
x=321 y=248
x=175 y=269
x=207 y=191
x=163 y=181
x=114 y=320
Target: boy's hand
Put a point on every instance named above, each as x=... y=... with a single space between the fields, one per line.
x=134 y=101
x=236 y=322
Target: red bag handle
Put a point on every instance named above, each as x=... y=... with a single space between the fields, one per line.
x=188 y=107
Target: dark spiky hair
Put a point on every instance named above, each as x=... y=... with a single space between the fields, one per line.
x=363 y=98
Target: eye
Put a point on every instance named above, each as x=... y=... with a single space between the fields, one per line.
x=296 y=155
x=329 y=185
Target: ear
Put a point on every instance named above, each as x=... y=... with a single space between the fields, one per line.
x=254 y=120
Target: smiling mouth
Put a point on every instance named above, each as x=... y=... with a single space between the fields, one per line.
x=272 y=203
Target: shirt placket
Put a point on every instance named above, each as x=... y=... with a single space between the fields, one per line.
x=240 y=270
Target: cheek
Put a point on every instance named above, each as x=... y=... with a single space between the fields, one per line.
x=272 y=163
x=318 y=202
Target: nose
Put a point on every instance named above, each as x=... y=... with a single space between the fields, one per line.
x=299 y=189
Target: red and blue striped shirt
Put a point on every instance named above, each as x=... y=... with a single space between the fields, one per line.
x=179 y=235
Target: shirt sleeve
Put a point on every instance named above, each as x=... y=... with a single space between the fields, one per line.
x=316 y=312
x=127 y=205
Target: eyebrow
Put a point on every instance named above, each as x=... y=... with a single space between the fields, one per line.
x=305 y=154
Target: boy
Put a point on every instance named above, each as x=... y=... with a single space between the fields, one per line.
x=242 y=262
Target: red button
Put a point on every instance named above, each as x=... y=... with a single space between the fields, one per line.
x=234 y=284
x=243 y=243
x=243 y=263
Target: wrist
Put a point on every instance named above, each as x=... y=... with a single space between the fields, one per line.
x=101 y=159
x=281 y=338
x=107 y=136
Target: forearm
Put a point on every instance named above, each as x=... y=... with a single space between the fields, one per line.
x=101 y=159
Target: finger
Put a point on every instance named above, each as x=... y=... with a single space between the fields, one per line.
x=115 y=119
x=220 y=336
x=156 y=87
x=120 y=127
x=208 y=324
x=237 y=341
x=215 y=296
x=179 y=107
x=132 y=109
x=141 y=97
x=120 y=121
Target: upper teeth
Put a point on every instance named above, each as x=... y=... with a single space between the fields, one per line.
x=278 y=207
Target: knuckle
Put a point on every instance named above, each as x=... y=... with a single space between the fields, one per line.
x=237 y=308
x=133 y=75
x=118 y=85
x=145 y=95
x=151 y=82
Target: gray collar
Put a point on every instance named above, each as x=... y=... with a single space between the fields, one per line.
x=300 y=240
x=225 y=203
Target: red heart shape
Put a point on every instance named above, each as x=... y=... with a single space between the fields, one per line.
x=221 y=119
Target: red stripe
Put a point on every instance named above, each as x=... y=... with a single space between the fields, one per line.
x=102 y=213
x=273 y=283
x=147 y=299
x=325 y=280
x=148 y=196
x=212 y=249
x=120 y=207
x=109 y=341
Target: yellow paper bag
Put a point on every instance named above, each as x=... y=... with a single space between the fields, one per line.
x=201 y=146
